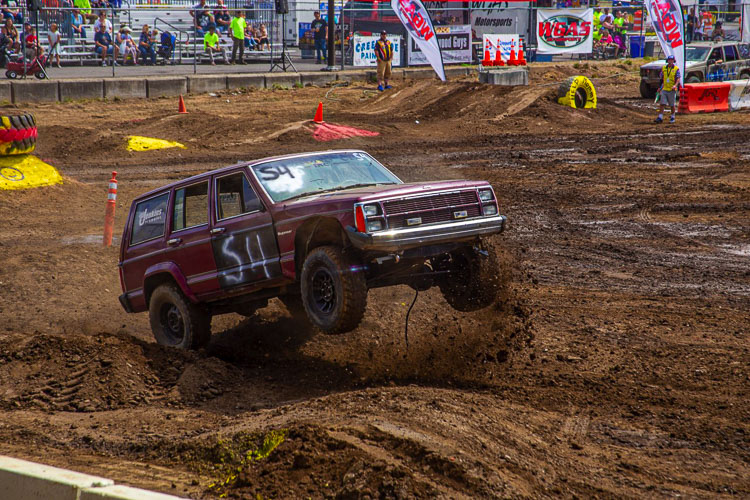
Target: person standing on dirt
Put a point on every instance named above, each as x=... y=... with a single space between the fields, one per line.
x=320 y=28
x=670 y=84
x=237 y=27
x=384 y=55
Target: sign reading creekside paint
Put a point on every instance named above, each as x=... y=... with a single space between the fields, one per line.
x=454 y=41
x=565 y=31
x=364 y=50
x=492 y=43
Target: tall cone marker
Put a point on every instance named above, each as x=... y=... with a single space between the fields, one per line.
x=319 y=114
x=109 y=214
x=521 y=56
x=512 y=59
x=486 y=61
x=181 y=106
x=499 y=57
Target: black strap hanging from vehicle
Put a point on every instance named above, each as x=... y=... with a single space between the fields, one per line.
x=406 y=325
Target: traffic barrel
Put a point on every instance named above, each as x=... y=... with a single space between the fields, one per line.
x=109 y=214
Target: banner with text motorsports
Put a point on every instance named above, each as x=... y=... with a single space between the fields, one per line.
x=666 y=18
x=415 y=18
x=565 y=31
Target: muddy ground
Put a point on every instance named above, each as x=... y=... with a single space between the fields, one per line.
x=616 y=365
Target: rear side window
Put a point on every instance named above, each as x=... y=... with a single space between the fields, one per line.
x=190 y=206
x=150 y=217
x=730 y=53
x=235 y=196
x=744 y=50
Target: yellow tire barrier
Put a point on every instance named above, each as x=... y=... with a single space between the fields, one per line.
x=577 y=92
x=17 y=134
x=26 y=171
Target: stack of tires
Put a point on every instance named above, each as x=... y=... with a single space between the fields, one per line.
x=17 y=134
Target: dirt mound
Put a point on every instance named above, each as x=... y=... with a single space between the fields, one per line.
x=103 y=372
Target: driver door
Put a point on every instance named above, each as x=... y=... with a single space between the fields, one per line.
x=243 y=237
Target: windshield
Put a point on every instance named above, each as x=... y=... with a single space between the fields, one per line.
x=296 y=177
x=696 y=53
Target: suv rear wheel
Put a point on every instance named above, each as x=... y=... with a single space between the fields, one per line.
x=334 y=290
x=177 y=322
x=647 y=91
x=473 y=280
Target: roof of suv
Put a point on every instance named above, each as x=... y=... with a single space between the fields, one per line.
x=241 y=164
x=711 y=44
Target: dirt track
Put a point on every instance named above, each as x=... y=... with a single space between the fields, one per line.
x=617 y=364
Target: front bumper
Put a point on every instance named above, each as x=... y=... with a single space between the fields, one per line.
x=395 y=240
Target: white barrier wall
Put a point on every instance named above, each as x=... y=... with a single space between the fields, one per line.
x=739 y=95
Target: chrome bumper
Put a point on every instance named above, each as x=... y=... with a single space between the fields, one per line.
x=394 y=240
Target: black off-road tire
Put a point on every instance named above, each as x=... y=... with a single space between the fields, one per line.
x=474 y=279
x=647 y=91
x=334 y=290
x=11 y=126
x=692 y=79
x=177 y=322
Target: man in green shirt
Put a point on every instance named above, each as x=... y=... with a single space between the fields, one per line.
x=84 y=6
x=211 y=44
x=237 y=27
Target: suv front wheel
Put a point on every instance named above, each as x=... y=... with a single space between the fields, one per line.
x=334 y=290
x=473 y=278
x=177 y=322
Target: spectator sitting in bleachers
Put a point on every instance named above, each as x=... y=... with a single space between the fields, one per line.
x=211 y=45
x=11 y=11
x=4 y=47
x=12 y=33
x=202 y=17
x=251 y=37
x=127 y=45
x=53 y=38
x=146 y=46
x=85 y=7
x=222 y=17
x=166 y=47
x=263 y=38
x=103 y=20
x=77 y=25
x=104 y=45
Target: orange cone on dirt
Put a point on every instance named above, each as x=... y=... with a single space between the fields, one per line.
x=319 y=114
x=512 y=59
x=181 y=106
x=486 y=61
x=521 y=57
x=499 y=58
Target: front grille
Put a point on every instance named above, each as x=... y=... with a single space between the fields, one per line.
x=431 y=209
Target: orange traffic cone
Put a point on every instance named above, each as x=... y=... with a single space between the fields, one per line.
x=499 y=58
x=319 y=114
x=181 y=106
x=486 y=61
x=512 y=61
x=521 y=57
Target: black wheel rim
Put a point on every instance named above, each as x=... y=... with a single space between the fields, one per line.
x=323 y=291
x=172 y=323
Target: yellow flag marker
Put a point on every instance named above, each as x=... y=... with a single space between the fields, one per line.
x=138 y=143
x=26 y=171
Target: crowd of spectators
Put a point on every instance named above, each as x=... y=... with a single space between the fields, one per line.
x=244 y=35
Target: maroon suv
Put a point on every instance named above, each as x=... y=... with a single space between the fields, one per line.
x=316 y=230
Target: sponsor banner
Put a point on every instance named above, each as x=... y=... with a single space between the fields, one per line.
x=564 y=31
x=493 y=43
x=415 y=18
x=666 y=19
x=364 y=50
x=745 y=24
x=499 y=18
x=739 y=95
x=455 y=45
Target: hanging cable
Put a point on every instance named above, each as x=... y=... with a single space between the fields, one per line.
x=406 y=324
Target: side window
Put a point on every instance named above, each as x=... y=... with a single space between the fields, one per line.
x=730 y=52
x=190 y=206
x=715 y=54
x=744 y=50
x=150 y=218
x=235 y=196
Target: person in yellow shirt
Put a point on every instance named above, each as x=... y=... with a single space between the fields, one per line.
x=384 y=56
x=237 y=27
x=211 y=44
x=670 y=84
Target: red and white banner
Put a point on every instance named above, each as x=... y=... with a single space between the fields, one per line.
x=666 y=19
x=415 y=18
x=745 y=24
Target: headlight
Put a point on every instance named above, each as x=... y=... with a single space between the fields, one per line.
x=370 y=210
x=490 y=210
x=374 y=225
x=486 y=195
